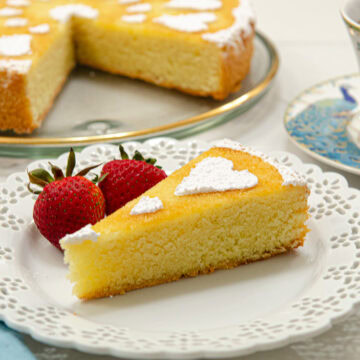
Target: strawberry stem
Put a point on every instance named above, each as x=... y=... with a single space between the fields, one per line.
x=102 y=178
x=123 y=153
x=40 y=177
x=85 y=171
x=70 y=163
x=137 y=156
x=96 y=180
x=151 y=161
x=36 y=192
x=56 y=171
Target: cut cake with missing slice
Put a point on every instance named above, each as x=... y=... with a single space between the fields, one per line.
x=198 y=47
x=227 y=207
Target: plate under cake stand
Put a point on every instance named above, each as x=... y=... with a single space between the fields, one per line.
x=98 y=107
x=316 y=121
x=259 y=306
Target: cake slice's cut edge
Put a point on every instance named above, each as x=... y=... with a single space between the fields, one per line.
x=222 y=266
x=201 y=69
x=15 y=112
x=27 y=96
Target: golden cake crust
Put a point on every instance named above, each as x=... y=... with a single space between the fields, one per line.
x=235 y=67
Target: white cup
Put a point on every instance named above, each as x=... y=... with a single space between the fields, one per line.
x=350 y=12
x=351 y=15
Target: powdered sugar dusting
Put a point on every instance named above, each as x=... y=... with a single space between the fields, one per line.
x=194 y=4
x=187 y=22
x=15 y=66
x=231 y=36
x=147 y=205
x=145 y=7
x=18 y=3
x=16 y=22
x=8 y=11
x=215 y=174
x=15 y=45
x=65 y=12
x=138 y=18
x=40 y=29
x=78 y=237
x=290 y=177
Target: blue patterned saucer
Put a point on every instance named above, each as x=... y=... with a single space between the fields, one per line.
x=316 y=121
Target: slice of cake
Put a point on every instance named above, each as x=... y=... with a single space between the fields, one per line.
x=199 y=47
x=227 y=207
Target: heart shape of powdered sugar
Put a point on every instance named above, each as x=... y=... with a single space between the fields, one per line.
x=215 y=174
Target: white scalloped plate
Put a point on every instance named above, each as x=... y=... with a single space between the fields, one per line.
x=255 y=307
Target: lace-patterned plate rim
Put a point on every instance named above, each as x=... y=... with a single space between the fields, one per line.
x=332 y=252
x=321 y=137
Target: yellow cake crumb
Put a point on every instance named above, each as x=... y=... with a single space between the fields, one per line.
x=192 y=234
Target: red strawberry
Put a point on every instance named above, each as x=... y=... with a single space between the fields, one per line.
x=126 y=179
x=66 y=204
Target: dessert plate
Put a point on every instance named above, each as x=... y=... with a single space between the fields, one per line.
x=259 y=306
x=98 y=107
x=316 y=122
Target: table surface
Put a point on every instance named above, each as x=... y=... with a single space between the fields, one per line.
x=313 y=45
